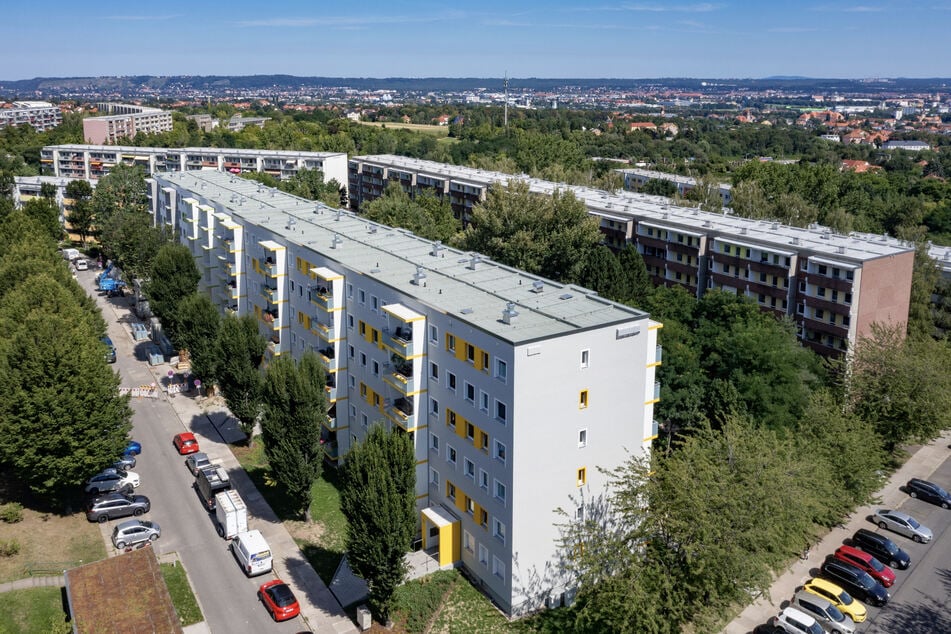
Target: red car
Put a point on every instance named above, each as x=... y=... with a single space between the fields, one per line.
x=861 y=559
x=279 y=600
x=185 y=443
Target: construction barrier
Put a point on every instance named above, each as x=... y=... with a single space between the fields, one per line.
x=143 y=391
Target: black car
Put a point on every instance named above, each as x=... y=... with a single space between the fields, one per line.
x=882 y=548
x=112 y=505
x=929 y=492
x=858 y=582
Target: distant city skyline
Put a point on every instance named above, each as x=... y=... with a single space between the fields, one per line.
x=418 y=38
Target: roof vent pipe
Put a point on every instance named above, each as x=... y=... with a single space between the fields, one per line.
x=419 y=277
x=509 y=314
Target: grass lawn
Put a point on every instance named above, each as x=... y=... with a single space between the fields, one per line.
x=438 y=131
x=182 y=597
x=49 y=543
x=33 y=610
x=322 y=540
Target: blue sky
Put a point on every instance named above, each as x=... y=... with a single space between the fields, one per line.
x=422 y=38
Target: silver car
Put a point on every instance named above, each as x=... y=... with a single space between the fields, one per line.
x=197 y=461
x=903 y=524
x=828 y=616
x=135 y=532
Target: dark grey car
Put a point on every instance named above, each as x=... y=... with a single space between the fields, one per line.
x=112 y=505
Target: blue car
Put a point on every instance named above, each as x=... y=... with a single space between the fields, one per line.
x=134 y=448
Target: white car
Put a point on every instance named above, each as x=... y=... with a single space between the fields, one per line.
x=112 y=479
x=903 y=524
x=793 y=621
x=82 y=265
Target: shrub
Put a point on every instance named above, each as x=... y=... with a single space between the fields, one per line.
x=11 y=512
x=9 y=547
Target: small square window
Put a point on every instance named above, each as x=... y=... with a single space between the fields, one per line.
x=363 y=359
x=583 y=438
x=470 y=353
x=485 y=362
x=470 y=506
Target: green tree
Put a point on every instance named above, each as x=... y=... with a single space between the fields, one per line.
x=602 y=272
x=80 y=216
x=378 y=500
x=240 y=350
x=543 y=235
x=198 y=323
x=924 y=284
x=173 y=277
x=61 y=416
x=294 y=407
x=901 y=386
x=122 y=189
x=427 y=216
x=46 y=213
x=659 y=187
x=639 y=283
x=310 y=184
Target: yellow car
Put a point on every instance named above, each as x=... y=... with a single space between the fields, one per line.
x=837 y=597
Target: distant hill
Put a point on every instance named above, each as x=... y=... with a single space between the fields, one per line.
x=222 y=84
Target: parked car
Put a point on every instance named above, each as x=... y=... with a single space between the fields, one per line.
x=110 y=349
x=134 y=448
x=279 y=600
x=861 y=559
x=185 y=443
x=135 y=532
x=197 y=461
x=112 y=479
x=794 y=621
x=857 y=581
x=126 y=462
x=884 y=549
x=114 y=505
x=903 y=524
x=929 y=492
x=849 y=606
x=81 y=264
x=822 y=610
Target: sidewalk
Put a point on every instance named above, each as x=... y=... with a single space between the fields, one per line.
x=922 y=463
x=216 y=429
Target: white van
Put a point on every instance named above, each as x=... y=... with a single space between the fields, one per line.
x=252 y=552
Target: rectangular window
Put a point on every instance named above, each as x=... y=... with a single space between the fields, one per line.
x=451 y=418
x=579 y=514
x=483 y=480
x=470 y=392
x=483 y=555
x=469 y=468
x=584 y=358
x=484 y=401
x=451 y=381
x=468 y=542
x=433 y=334
x=501 y=370
x=363 y=359
x=433 y=371
x=484 y=442
x=450 y=454
x=363 y=329
x=433 y=405
x=375 y=367
x=353 y=381
x=485 y=362
x=500 y=411
x=374 y=303
x=470 y=431
x=583 y=399
x=498 y=530
x=498 y=568
x=500 y=492
x=470 y=506
x=351 y=352
x=353 y=411
x=450 y=490
x=450 y=342
x=434 y=442
x=365 y=420
x=350 y=291
x=583 y=438
x=582 y=476
x=500 y=452
x=361 y=296
x=350 y=322
x=434 y=477
x=470 y=353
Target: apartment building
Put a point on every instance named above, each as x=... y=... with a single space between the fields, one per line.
x=832 y=286
x=29 y=187
x=635 y=178
x=124 y=121
x=95 y=161
x=41 y=115
x=514 y=389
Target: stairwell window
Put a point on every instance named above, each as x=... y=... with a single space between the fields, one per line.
x=582 y=476
x=584 y=358
x=583 y=399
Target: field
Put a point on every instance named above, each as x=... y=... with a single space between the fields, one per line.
x=438 y=131
x=49 y=543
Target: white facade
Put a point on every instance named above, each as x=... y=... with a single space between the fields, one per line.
x=41 y=115
x=515 y=389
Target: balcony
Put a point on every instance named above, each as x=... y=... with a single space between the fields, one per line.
x=401 y=379
x=330 y=449
x=274 y=345
x=400 y=341
x=401 y=412
x=330 y=389
x=657 y=390
x=233 y=289
x=232 y=311
x=322 y=297
x=323 y=330
x=659 y=354
x=269 y=267
x=271 y=317
x=269 y=293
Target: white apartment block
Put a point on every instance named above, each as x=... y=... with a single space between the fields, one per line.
x=514 y=389
x=834 y=287
x=124 y=121
x=635 y=178
x=94 y=161
x=41 y=115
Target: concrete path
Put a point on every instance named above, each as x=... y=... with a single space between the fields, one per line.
x=33 y=582
x=921 y=464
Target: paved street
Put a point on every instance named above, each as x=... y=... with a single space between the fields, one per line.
x=227 y=598
x=919 y=600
